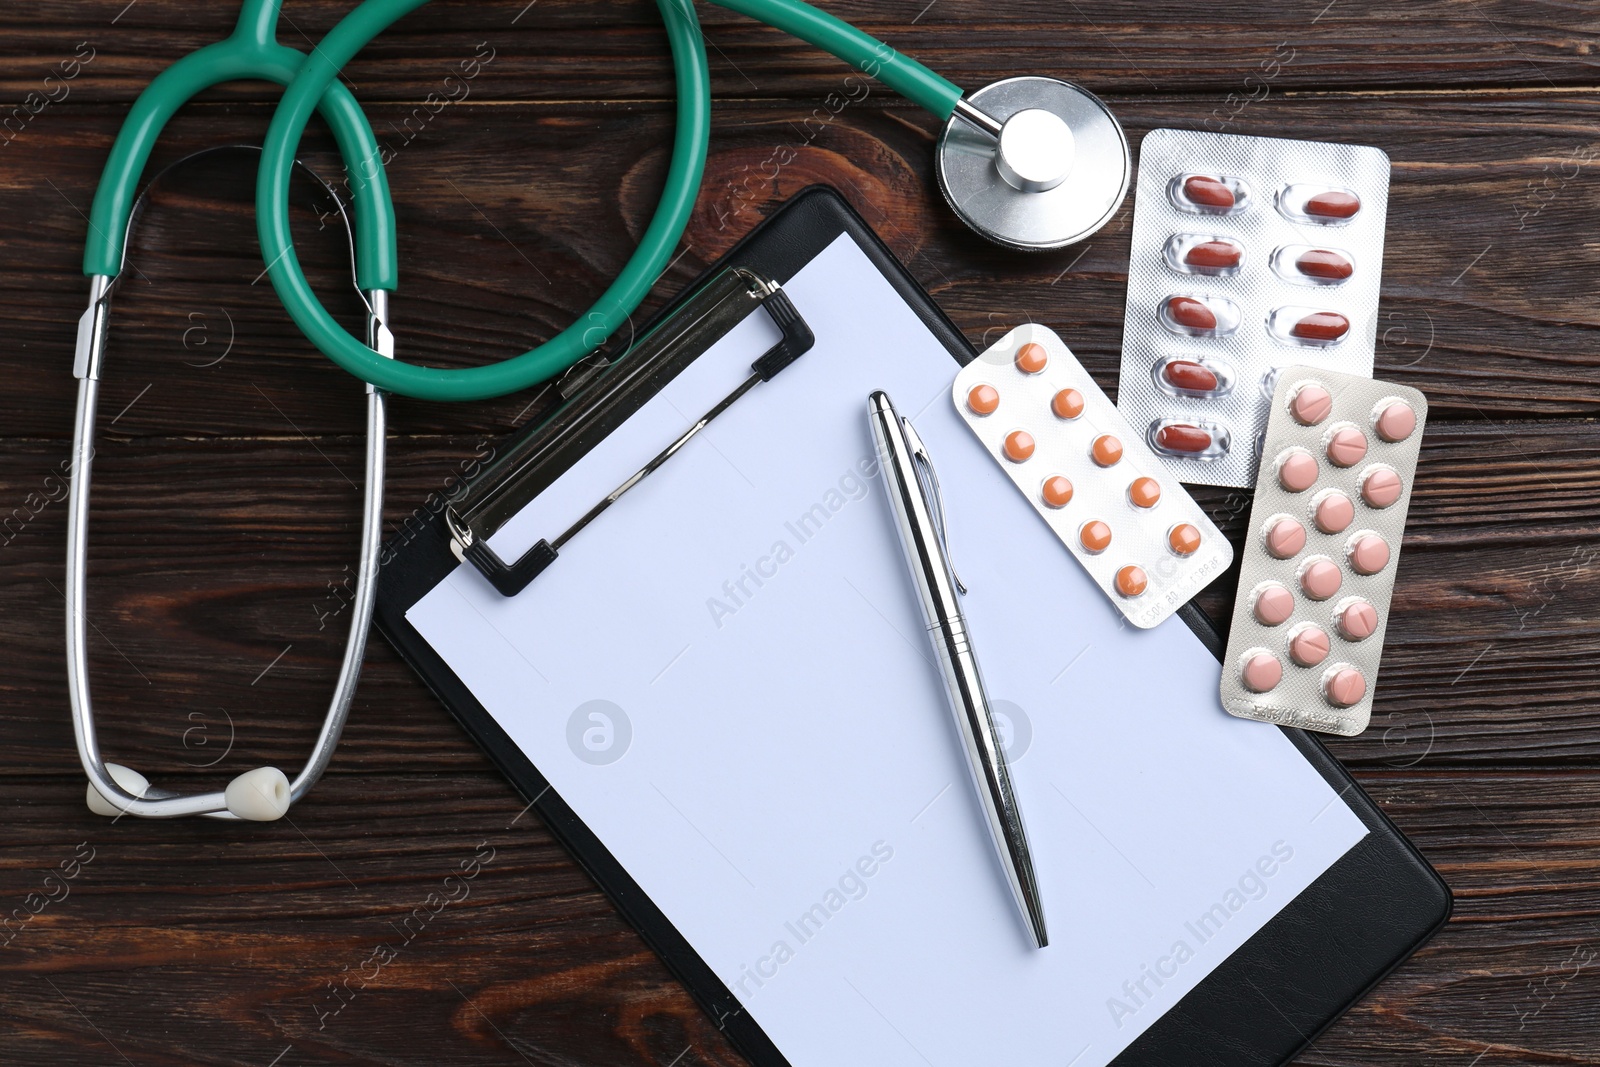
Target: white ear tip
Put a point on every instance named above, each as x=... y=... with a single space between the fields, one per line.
x=129 y=779
x=261 y=795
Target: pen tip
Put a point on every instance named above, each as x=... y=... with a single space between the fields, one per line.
x=1033 y=911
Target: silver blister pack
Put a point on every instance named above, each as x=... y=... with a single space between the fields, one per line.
x=1089 y=475
x=1321 y=549
x=1249 y=254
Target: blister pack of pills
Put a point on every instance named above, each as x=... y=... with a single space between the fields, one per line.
x=1249 y=254
x=1323 y=541
x=1090 y=475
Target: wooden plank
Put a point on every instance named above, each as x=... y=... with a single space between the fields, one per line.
x=612 y=50
x=532 y=946
x=225 y=511
x=222 y=572
x=1484 y=305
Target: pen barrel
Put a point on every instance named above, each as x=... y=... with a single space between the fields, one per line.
x=986 y=760
x=930 y=571
x=934 y=580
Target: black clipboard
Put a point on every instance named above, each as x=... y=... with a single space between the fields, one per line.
x=1264 y=1004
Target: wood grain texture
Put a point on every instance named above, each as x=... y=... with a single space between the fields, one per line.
x=608 y=49
x=226 y=498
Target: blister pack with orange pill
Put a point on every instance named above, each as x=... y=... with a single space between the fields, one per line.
x=1090 y=475
x=1249 y=254
x=1323 y=542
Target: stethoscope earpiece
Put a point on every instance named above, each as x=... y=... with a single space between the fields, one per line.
x=128 y=778
x=261 y=795
x=1033 y=163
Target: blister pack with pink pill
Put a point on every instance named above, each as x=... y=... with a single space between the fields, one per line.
x=1339 y=457
x=1249 y=254
x=1142 y=538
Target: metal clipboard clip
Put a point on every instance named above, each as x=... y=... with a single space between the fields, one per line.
x=600 y=397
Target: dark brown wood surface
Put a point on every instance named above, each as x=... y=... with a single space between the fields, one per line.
x=226 y=510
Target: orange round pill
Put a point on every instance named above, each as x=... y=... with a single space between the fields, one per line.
x=1144 y=492
x=1107 y=450
x=1095 y=536
x=1131 y=581
x=1183 y=539
x=1067 y=404
x=983 y=399
x=1031 y=358
x=1057 y=491
x=1019 y=445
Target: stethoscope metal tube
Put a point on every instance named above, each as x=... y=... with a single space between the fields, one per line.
x=264 y=793
x=251 y=52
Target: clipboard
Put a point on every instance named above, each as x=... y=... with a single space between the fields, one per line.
x=1267 y=1001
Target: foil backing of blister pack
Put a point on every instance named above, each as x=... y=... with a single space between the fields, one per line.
x=1303 y=697
x=1116 y=508
x=1262 y=296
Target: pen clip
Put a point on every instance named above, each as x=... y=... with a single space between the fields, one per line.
x=919 y=454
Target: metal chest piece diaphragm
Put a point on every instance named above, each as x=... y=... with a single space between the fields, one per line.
x=1033 y=163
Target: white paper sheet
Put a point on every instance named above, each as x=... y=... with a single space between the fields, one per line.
x=726 y=677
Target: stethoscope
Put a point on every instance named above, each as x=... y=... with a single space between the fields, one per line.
x=1031 y=163
x=250 y=53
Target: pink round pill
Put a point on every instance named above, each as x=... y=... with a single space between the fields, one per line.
x=1309 y=646
x=1357 y=620
x=1343 y=685
x=1319 y=577
x=1334 y=512
x=1380 y=486
x=1368 y=553
x=1285 y=537
x=1347 y=446
x=1272 y=604
x=1396 y=421
x=1311 y=404
x=1260 y=671
x=1297 y=470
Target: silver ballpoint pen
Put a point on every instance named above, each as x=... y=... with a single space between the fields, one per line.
x=909 y=478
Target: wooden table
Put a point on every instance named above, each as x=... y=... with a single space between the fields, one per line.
x=226 y=506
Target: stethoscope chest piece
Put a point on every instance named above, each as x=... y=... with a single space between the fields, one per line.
x=1033 y=163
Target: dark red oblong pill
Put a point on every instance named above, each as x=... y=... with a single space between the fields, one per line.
x=1208 y=192
x=1321 y=326
x=1334 y=204
x=1184 y=374
x=1192 y=313
x=1217 y=255
x=1182 y=438
x=1321 y=263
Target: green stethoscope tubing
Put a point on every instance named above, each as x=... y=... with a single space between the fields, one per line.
x=318 y=75
x=250 y=52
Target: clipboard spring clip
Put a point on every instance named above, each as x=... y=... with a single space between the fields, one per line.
x=604 y=396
